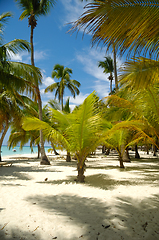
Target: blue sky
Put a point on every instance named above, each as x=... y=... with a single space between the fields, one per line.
x=54 y=45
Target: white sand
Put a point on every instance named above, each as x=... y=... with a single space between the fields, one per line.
x=112 y=204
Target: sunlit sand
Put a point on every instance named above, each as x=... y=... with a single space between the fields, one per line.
x=45 y=202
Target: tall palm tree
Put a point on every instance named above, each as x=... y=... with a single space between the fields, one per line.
x=137 y=31
x=108 y=67
x=15 y=78
x=32 y=10
x=60 y=72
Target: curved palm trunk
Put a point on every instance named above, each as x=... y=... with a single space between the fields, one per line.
x=103 y=149
x=53 y=147
x=154 y=150
x=126 y=156
x=115 y=70
x=136 y=152
x=5 y=129
x=39 y=151
x=107 y=152
x=44 y=159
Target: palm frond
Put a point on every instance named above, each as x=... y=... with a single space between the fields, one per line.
x=131 y=24
x=139 y=73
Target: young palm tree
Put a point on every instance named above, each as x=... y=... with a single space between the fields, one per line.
x=60 y=72
x=108 y=67
x=34 y=9
x=80 y=131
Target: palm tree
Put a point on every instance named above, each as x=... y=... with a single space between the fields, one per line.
x=108 y=67
x=15 y=78
x=137 y=31
x=60 y=72
x=80 y=131
x=6 y=107
x=33 y=9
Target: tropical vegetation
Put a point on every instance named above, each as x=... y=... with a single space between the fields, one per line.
x=33 y=10
x=63 y=73
x=128 y=118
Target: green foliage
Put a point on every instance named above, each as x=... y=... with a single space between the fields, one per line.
x=60 y=72
x=137 y=31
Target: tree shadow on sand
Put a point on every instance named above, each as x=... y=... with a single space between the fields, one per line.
x=20 y=169
x=17 y=234
x=125 y=218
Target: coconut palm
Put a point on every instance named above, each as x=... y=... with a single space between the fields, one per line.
x=32 y=10
x=15 y=78
x=141 y=105
x=60 y=72
x=6 y=108
x=138 y=28
x=108 y=67
x=80 y=131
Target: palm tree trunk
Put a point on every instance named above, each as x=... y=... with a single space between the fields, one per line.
x=68 y=157
x=115 y=70
x=110 y=86
x=121 y=157
x=103 y=149
x=121 y=161
x=126 y=156
x=62 y=101
x=39 y=151
x=107 y=151
x=80 y=176
x=80 y=168
x=53 y=147
x=44 y=159
x=136 y=152
x=5 y=129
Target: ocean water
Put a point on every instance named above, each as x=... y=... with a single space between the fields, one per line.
x=26 y=150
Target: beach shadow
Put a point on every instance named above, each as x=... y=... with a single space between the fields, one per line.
x=21 y=172
x=131 y=220
x=18 y=234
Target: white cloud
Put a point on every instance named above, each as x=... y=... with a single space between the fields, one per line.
x=78 y=100
x=25 y=56
x=89 y=59
x=40 y=55
x=20 y=57
x=48 y=81
x=73 y=10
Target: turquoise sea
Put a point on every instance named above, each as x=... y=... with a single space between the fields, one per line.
x=26 y=150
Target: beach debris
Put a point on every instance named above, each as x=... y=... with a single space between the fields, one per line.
x=36 y=228
x=144 y=226
x=4 y=226
x=105 y=226
x=54 y=238
x=45 y=179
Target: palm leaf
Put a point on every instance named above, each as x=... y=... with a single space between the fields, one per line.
x=138 y=28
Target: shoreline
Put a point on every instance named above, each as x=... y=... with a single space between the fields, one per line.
x=44 y=202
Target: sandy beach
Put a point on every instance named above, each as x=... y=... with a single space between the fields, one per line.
x=44 y=202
